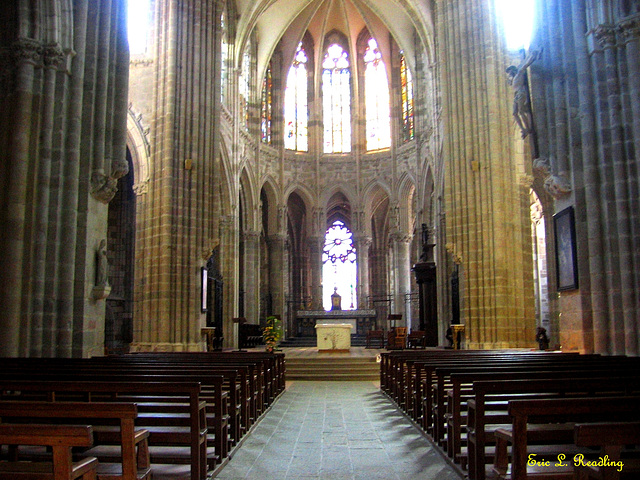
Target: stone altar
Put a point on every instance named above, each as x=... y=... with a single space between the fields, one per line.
x=333 y=337
x=361 y=320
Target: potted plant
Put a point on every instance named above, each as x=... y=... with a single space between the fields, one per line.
x=272 y=333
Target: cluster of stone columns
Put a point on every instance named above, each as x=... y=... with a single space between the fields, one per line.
x=589 y=138
x=64 y=83
x=183 y=218
x=484 y=196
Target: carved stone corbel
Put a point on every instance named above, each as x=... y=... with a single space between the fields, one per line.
x=119 y=168
x=556 y=185
x=542 y=167
x=53 y=56
x=103 y=187
x=27 y=50
x=630 y=29
x=605 y=35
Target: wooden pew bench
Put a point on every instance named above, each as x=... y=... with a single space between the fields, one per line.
x=173 y=421
x=436 y=379
x=61 y=439
x=461 y=389
x=515 y=363
x=188 y=442
x=268 y=368
x=611 y=439
x=236 y=381
x=412 y=380
x=130 y=461
x=481 y=426
x=543 y=431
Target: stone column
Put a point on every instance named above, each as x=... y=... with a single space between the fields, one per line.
x=631 y=33
x=27 y=55
x=229 y=270
x=251 y=275
x=487 y=222
x=277 y=274
x=315 y=263
x=362 y=244
x=53 y=59
x=402 y=273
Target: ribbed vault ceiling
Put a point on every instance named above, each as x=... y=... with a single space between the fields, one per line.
x=271 y=19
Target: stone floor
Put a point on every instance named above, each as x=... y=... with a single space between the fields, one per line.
x=337 y=431
x=313 y=352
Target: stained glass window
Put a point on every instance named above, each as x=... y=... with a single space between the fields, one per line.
x=376 y=91
x=338 y=245
x=138 y=26
x=336 y=92
x=407 y=100
x=296 y=113
x=339 y=271
x=224 y=53
x=245 y=85
x=267 y=106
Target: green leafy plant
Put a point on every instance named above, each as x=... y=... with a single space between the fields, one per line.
x=272 y=333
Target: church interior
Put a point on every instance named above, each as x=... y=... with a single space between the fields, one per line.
x=151 y=192
x=180 y=174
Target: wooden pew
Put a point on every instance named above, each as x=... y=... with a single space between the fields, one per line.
x=271 y=366
x=243 y=381
x=432 y=392
x=552 y=423
x=61 y=439
x=133 y=457
x=437 y=377
x=481 y=427
x=191 y=433
x=610 y=438
x=238 y=380
x=160 y=413
x=461 y=383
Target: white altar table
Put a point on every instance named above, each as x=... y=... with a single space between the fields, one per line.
x=334 y=337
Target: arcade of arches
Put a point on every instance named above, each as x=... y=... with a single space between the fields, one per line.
x=223 y=153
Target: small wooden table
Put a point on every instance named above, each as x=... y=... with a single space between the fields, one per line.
x=457 y=330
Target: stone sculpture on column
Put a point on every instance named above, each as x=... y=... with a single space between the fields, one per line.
x=521 y=102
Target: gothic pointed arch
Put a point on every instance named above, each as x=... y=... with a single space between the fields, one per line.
x=337 y=93
x=375 y=96
x=406 y=203
x=299 y=82
x=140 y=151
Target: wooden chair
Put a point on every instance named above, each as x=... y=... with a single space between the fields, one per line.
x=375 y=335
x=417 y=338
x=397 y=338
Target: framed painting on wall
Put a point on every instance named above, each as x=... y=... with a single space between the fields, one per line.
x=203 y=291
x=566 y=255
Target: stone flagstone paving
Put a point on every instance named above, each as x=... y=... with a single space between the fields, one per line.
x=336 y=431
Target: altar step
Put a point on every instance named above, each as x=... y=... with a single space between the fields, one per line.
x=333 y=368
x=300 y=342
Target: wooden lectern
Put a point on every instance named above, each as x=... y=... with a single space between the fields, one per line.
x=209 y=334
x=239 y=321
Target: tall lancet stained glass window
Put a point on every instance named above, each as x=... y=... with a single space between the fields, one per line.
x=339 y=270
x=336 y=102
x=376 y=92
x=296 y=113
x=267 y=106
x=224 y=48
x=406 y=83
x=245 y=85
